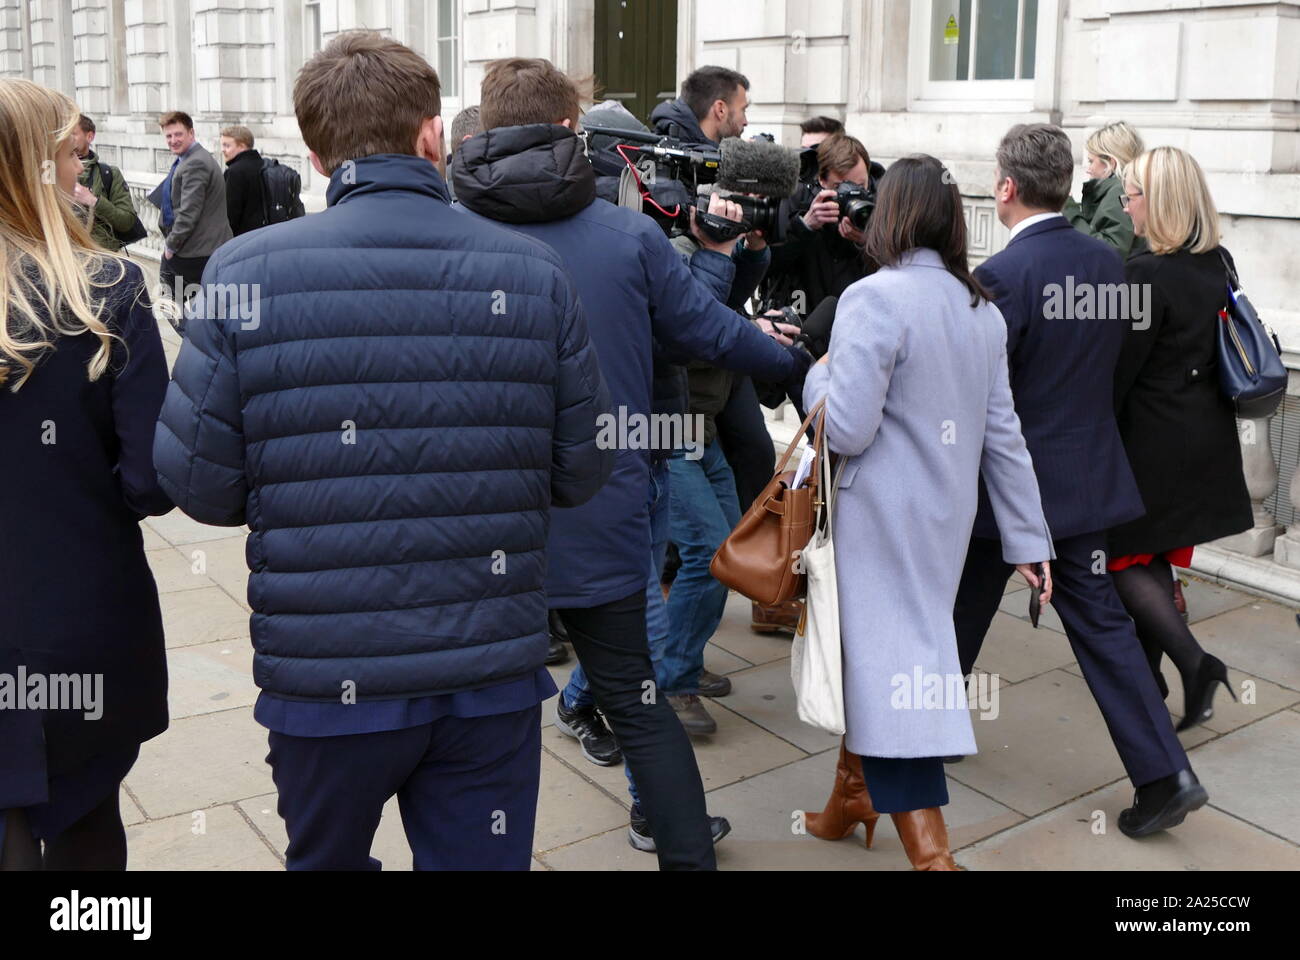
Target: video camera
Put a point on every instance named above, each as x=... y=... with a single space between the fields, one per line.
x=756 y=175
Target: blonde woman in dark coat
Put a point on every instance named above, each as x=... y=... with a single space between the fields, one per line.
x=1179 y=430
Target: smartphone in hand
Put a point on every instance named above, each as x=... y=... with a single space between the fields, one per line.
x=1035 y=605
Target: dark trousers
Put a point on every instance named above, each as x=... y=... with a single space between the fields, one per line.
x=1102 y=637
x=188 y=270
x=742 y=431
x=610 y=641
x=899 y=784
x=466 y=788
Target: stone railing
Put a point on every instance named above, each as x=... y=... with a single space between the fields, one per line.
x=141 y=185
x=1266 y=558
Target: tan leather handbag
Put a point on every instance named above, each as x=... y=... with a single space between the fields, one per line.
x=761 y=557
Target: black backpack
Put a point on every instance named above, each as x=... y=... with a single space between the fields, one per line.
x=138 y=230
x=281 y=192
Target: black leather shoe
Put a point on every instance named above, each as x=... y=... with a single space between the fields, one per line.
x=713 y=685
x=1163 y=804
x=557 y=652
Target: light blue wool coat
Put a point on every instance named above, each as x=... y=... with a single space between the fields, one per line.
x=917 y=396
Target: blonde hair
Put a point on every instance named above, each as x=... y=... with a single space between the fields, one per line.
x=46 y=253
x=239 y=135
x=1180 y=210
x=1118 y=142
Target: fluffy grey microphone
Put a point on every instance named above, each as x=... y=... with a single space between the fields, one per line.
x=757 y=166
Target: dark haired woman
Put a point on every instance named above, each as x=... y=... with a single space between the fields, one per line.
x=918 y=400
x=82 y=377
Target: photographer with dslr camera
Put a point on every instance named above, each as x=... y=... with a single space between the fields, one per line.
x=822 y=253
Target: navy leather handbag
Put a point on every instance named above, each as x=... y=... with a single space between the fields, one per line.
x=1251 y=373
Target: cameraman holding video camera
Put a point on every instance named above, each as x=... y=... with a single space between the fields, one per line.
x=822 y=254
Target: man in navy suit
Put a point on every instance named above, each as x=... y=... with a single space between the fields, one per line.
x=1068 y=311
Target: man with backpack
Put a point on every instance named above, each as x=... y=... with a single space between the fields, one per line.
x=258 y=191
x=245 y=195
x=103 y=190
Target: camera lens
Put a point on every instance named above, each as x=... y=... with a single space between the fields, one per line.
x=859 y=212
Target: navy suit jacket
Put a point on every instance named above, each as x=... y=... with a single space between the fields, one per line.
x=1062 y=351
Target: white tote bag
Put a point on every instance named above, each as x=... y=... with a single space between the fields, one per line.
x=816 y=666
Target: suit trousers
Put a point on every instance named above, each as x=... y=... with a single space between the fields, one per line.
x=1103 y=639
x=466 y=788
x=184 y=272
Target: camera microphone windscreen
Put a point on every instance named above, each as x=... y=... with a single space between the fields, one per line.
x=756 y=166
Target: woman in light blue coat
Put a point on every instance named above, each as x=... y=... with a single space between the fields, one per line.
x=918 y=400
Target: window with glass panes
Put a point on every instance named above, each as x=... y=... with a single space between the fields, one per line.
x=311 y=28
x=448 y=45
x=982 y=39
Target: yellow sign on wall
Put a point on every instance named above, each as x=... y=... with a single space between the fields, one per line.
x=951 y=33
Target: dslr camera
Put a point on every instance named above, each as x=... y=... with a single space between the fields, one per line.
x=856 y=203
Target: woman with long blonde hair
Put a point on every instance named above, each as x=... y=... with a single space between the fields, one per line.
x=83 y=676
x=1179 y=430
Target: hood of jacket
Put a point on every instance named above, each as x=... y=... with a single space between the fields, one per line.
x=529 y=174
x=673 y=118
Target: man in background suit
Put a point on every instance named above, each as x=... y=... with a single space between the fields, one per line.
x=1065 y=327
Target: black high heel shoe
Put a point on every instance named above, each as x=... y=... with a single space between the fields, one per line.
x=1199 y=695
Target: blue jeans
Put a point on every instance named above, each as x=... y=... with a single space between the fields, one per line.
x=704 y=511
x=577 y=694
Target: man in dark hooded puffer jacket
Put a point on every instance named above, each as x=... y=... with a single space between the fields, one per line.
x=528 y=169
x=393 y=402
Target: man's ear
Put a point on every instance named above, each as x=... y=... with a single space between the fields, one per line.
x=428 y=143
x=316 y=164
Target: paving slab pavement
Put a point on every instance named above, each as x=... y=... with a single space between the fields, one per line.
x=1042 y=793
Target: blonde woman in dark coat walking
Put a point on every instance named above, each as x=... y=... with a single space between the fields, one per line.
x=1179 y=430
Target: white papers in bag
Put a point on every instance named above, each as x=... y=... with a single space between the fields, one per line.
x=805 y=468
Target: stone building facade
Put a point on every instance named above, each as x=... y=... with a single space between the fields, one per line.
x=1217 y=77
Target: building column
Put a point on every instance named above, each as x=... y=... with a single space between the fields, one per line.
x=13 y=48
x=49 y=23
x=92 y=69
x=233 y=60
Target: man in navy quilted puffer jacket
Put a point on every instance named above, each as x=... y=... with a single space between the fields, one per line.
x=392 y=396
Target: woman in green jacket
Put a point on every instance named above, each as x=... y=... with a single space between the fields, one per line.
x=1109 y=150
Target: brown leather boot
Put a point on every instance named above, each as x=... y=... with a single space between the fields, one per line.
x=849 y=803
x=925 y=838
x=776 y=618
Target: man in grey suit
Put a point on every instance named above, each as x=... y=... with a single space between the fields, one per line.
x=193 y=203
